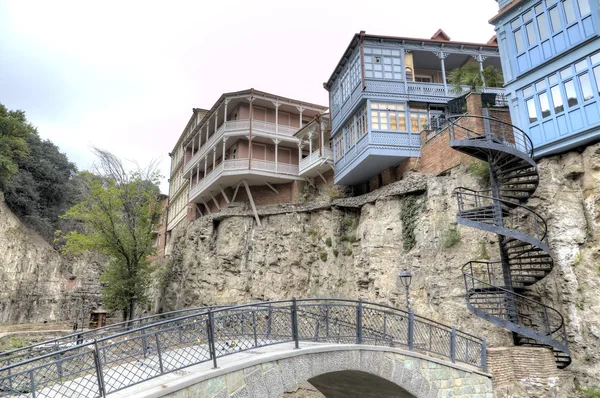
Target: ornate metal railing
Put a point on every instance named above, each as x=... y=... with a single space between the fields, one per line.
x=112 y=363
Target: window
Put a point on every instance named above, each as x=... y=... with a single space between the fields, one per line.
x=569 y=11
x=571 y=94
x=555 y=19
x=531 y=111
x=345 y=87
x=349 y=134
x=584 y=7
x=544 y=104
x=409 y=74
x=388 y=117
x=519 y=43
x=531 y=38
x=597 y=77
x=557 y=99
x=543 y=26
x=423 y=79
x=361 y=122
x=383 y=63
x=586 y=86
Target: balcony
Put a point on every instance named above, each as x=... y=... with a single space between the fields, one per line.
x=231 y=171
x=374 y=153
x=240 y=127
x=316 y=163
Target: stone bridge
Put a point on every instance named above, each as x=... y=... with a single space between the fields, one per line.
x=348 y=370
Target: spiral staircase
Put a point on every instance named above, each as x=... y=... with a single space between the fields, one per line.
x=495 y=290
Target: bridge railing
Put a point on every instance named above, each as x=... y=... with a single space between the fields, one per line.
x=112 y=363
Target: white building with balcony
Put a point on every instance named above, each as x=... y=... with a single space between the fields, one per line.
x=244 y=150
x=314 y=139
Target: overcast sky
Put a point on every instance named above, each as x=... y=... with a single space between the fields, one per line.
x=125 y=75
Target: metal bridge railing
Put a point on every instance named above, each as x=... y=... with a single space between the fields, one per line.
x=112 y=363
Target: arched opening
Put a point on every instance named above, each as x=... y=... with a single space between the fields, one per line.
x=354 y=384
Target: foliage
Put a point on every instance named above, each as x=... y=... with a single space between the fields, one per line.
x=328 y=241
x=470 y=75
x=348 y=238
x=118 y=213
x=15 y=342
x=336 y=252
x=591 y=392
x=14 y=131
x=482 y=252
x=479 y=169
x=333 y=193
x=410 y=210
x=323 y=256
x=577 y=258
x=450 y=238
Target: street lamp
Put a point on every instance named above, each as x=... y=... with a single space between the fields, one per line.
x=405 y=279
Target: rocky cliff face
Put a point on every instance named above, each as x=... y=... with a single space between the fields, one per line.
x=355 y=248
x=36 y=283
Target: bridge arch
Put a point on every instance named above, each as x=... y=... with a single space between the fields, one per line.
x=336 y=371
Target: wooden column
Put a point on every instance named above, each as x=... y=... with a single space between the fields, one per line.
x=442 y=55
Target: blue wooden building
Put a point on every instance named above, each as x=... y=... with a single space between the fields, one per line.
x=385 y=90
x=550 y=52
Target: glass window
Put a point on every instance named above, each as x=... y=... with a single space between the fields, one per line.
x=555 y=19
x=381 y=64
x=515 y=24
x=361 y=122
x=557 y=99
x=584 y=7
x=540 y=86
x=539 y=8
x=531 y=110
x=586 y=86
x=597 y=77
x=595 y=58
x=528 y=15
x=553 y=79
x=565 y=73
x=581 y=65
x=531 y=39
x=527 y=91
x=544 y=105
x=414 y=123
x=387 y=117
x=543 y=26
x=571 y=94
x=569 y=11
x=519 y=41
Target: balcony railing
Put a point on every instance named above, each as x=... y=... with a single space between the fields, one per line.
x=314 y=158
x=240 y=165
x=238 y=126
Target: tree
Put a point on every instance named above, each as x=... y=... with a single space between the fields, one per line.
x=14 y=131
x=117 y=216
x=471 y=75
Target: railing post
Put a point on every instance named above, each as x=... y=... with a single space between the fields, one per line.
x=270 y=317
x=295 y=323
x=32 y=383
x=211 y=339
x=254 y=328
x=99 y=375
x=160 y=363
x=359 y=313
x=145 y=345
x=411 y=331
x=453 y=344
x=58 y=363
x=484 y=355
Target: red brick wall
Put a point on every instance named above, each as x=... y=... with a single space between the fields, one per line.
x=508 y=365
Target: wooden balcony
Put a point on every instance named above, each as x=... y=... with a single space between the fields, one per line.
x=316 y=163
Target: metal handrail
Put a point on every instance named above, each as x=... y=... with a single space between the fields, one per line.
x=540 y=232
x=561 y=325
x=527 y=143
x=173 y=344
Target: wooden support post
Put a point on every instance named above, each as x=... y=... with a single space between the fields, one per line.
x=309 y=182
x=321 y=175
x=235 y=192
x=251 y=202
x=206 y=206
x=272 y=187
x=215 y=200
x=198 y=209
x=223 y=193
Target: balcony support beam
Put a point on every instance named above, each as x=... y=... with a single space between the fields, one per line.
x=272 y=188
x=442 y=55
x=206 y=206
x=251 y=202
x=223 y=193
x=235 y=192
x=321 y=175
x=198 y=209
x=215 y=200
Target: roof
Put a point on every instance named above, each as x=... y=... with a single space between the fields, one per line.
x=506 y=9
x=439 y=37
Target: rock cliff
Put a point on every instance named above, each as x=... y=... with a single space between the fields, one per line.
x=356 y=247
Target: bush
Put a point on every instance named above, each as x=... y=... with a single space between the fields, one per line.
x=335 y=252
x=323 y=256
x=328 y=241
x=591 y=392
x=348 y=238
x=479 y=169
x=450 y=238
x=333 y=193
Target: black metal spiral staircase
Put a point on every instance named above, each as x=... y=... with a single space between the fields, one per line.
x=495 y=289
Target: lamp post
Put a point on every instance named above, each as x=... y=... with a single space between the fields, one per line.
x=405 y=279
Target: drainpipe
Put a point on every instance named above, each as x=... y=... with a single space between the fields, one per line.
x=362 y=59
x=320 y=135
x=250 y=140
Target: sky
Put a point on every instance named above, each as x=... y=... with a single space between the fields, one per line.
x=124 y=75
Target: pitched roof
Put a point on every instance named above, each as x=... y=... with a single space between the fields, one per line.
x=440 y=35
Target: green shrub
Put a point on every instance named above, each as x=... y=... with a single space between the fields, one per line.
x=348 y=252
x=16 y=342
x=588 y=358
x=479 y=169
x=411 y=207
x=591 y=392
x=577 y=258
x=348 y=238
x=335 y=252
x=328 y=241
x=450 y=238
x=323 y=256
x=333 y=193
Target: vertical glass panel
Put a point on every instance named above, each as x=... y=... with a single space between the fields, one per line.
x=557 y=99
x=569 y=11
x=515 y=24
x=414 y=123
x=383 y=120
x=565 y=73
x=519 y=43
x=544 y=105
x=586 y=86
x=531 y=39
x=539 y=8
x=597 y=77
x=528 y=15
x=553 y=79
x=393 y=123
x=527 y=91
x=531 y=110
x=584 y=7
x=581 y=65
x=555 y=19
x=540 y=86
x=571 y=94
x=543 y=26
x=374 y=120
x=595 y=58
x=402 y=121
